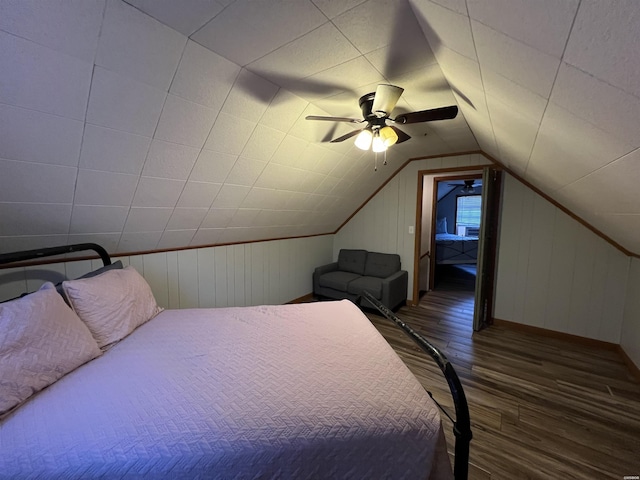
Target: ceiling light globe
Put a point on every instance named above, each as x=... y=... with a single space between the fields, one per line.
x=363 y=140
x=388 y=136
x=378 y=144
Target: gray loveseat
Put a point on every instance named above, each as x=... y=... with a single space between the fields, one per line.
x=358 y=270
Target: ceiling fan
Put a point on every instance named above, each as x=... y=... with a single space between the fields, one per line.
x=469 y=186
x=376 y=109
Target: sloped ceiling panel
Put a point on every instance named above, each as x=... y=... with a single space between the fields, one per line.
x=161 y=124
x=551 y=89
x=148 y=124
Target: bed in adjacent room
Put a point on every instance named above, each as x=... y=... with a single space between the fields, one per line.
x=455 y=249
x=116 y=387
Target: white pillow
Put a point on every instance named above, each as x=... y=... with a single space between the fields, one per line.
x=112 y=304
x=441 y=225
x=41 y=339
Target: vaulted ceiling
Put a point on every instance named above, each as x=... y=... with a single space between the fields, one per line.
x=152 y=124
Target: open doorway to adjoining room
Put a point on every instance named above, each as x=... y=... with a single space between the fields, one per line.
x=457 y=212
x=456 y=240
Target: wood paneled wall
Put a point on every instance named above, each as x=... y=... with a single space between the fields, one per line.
x=554 y=273
x=272 y=272
x=382 y=225
x=630 y=337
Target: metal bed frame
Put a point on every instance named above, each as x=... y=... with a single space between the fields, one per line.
x=462 y=422
x=23 y=258
x=26 y=255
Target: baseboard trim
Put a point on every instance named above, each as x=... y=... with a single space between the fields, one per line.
x=589 y=342
x=635 y=371
x=309 y=297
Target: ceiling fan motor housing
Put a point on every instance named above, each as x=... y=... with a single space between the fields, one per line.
x=366 y=103
x=373 y=121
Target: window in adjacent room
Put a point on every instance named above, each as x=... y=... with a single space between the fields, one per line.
x=468 y=211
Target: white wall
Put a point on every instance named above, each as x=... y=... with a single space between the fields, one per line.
x=554 y=273
x=272 y=272
x=630 y=337
x=382 y=225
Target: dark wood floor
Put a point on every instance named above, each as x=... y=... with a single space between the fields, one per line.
x=540 y=407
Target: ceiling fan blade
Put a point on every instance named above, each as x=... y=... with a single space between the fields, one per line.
x=334 y=119
x=442 y=113
x=385 y=99
x=347 y=136
x=402 y=137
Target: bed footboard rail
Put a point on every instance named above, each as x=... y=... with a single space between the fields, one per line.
x=462 y=422
x=39 y=253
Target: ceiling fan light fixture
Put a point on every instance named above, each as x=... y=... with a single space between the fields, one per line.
x=378 y=145
x=363 y=140
x=388 y=136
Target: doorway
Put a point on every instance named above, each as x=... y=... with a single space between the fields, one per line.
x=457 y=236
x=457 y=208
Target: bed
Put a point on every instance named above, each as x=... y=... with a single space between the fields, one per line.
x=456 y=249
x=289 y=391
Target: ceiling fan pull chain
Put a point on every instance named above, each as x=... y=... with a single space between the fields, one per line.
x=375 y=162
x=385 y=158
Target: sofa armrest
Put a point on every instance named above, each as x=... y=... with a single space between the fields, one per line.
x=330 y=267
x=394 y=289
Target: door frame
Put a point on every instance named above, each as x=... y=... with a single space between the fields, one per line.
x=487 y=248
x=470 y=169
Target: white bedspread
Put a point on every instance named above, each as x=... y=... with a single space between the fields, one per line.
x=293 y=391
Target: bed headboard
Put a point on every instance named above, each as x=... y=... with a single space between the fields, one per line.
x=15 y=283
x=13 y=257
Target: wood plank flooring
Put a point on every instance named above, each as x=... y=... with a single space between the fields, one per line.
x=540 y=407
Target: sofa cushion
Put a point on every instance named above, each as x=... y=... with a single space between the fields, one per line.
x=352 y=261
x=372 y=284
x=337 y=280
x=381 y=265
